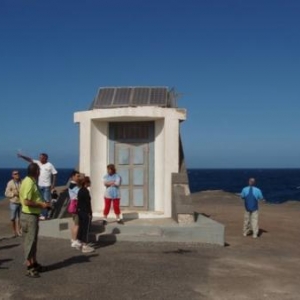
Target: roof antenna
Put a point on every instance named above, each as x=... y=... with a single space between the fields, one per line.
x=174 y=97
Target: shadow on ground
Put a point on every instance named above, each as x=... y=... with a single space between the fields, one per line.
x=4 y=261
x=9 y=246
x=261 y=232
x=70 y=261
x=103 y=240
x=179 y=251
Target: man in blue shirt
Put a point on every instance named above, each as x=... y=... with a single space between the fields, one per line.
x=251 y=196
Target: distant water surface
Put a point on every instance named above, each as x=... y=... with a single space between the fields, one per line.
x=277 y=185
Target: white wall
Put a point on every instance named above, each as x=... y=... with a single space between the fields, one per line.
x=159 y=169
x=99 y=154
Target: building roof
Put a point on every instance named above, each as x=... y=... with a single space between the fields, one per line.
x=112 y=97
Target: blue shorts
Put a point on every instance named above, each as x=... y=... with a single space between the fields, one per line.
x=46 y=193
x=15 y=210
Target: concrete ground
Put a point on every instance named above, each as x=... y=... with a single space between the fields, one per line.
x=247 y=268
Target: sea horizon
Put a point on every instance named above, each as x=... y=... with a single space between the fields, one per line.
x=278 y=184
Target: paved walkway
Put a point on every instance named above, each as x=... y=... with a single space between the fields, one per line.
x=263 y=268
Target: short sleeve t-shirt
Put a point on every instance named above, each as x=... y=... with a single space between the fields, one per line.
x=46 y=171
x=73 y=190
x=30 y=191
x=112 y=192
x=251 y=196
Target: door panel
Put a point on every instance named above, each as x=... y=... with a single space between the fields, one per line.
x=133 y=169
x=131 y=149
x=123 y=156
x=138 y=176
x=124 y=197
x=124 y=173
x=138 y=155
x=138 y=197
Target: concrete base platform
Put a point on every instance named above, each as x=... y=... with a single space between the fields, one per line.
x=204 y=230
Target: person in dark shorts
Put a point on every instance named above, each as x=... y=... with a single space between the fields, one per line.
x=12 y=192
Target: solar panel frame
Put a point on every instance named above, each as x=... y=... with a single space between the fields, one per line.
x=108 y=97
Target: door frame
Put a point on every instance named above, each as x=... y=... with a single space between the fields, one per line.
x=150 y=141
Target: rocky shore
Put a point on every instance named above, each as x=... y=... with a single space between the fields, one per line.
x=246 y=268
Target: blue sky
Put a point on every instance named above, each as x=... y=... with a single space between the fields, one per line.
x=236 y=64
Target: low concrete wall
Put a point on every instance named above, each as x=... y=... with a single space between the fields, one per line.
x=204 y=230
x=56 y=228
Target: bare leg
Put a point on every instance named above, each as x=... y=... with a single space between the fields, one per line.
x=19 y=227
x=74 y=232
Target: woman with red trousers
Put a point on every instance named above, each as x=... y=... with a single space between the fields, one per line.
x=112 y=181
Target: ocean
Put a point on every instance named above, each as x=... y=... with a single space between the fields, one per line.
x=277 y=185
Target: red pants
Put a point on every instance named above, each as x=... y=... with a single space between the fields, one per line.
x=116 y=205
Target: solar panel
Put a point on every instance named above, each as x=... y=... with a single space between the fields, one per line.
x=158 y=96
x=122 y=97
x=140 y=96
x=132 y=96
x=104 y=97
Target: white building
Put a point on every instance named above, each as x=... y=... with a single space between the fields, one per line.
x=138 y=130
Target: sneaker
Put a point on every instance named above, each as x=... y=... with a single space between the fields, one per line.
x=32 y=272
x=76 y=244
x=247 y=233
x=42 y=218
x=87 y=249
x=120 y=221
x=254 y=236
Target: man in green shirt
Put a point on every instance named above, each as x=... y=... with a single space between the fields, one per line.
x=32 y=205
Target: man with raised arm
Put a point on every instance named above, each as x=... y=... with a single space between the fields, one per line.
x=47 y=178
